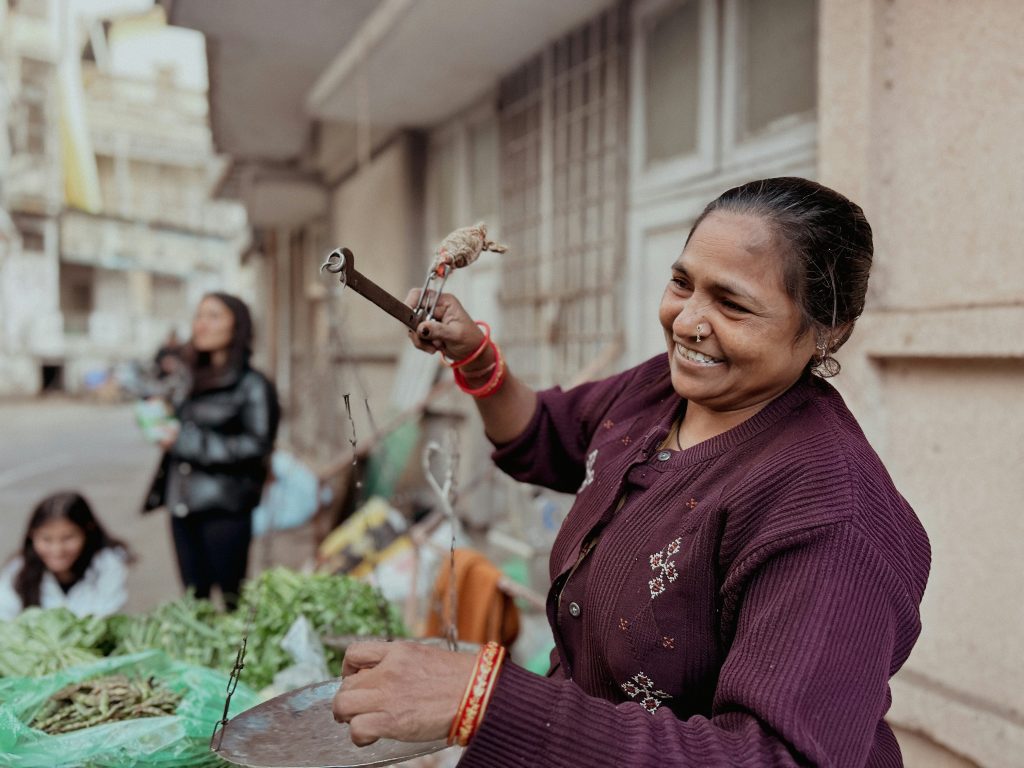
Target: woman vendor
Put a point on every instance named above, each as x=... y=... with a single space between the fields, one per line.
x=738 y=577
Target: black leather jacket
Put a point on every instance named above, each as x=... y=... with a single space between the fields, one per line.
x=219 y=461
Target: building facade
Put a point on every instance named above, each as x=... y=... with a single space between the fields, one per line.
x=132 y=269
x=30 y=321
x=108 y=186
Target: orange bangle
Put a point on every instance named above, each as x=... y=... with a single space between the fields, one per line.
x=479 y=350
x=453 y=731
x=492 y=385
x=477 y=695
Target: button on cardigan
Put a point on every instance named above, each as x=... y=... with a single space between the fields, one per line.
x=746 y=606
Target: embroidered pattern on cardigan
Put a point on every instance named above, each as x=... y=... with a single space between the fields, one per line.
x=668 y=571
x=643 y=687
x=589 y=478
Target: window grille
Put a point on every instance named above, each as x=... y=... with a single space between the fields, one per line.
x=563 y=124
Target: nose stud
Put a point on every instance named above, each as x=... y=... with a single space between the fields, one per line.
x=700 y=330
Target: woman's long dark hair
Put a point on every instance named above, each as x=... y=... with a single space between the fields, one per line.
x=207 y=376
x=70 y=506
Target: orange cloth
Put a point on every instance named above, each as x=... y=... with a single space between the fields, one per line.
x=483 y=612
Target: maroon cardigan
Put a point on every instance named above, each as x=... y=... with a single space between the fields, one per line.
x=746 y=605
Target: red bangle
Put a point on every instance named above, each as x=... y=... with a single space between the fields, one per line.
x=492 y=385
x=477 y=695
x=479 y=350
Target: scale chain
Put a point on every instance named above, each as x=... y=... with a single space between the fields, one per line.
x=375 y=557
x=236 y=674
x=449 y=487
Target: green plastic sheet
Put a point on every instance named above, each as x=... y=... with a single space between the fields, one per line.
x=181 y=739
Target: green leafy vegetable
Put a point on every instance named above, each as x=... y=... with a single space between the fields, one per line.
x=192 y=630
x=41 y=641
x=334 y=605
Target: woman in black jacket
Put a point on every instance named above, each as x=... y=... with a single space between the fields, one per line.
x=214 y=466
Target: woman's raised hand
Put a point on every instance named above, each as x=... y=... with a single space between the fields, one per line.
x=451 y=330
x=400 y=690
x=505 y=403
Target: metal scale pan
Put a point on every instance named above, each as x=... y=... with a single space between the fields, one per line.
x=297 y=730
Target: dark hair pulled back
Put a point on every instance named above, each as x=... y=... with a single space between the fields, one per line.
x=827 y=246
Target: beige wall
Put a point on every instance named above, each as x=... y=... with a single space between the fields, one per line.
x=377 y=214
x=374 y=215
x=920 y=115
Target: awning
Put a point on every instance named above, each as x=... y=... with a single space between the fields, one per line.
x=415 y=62
x=264 y=56
x=406 y=63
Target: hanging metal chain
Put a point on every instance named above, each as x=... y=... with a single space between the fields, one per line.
x=445 y=493
x=236 y=674
x=453 y=463
x=451 y=628
x=382 y=603
x=353 y=441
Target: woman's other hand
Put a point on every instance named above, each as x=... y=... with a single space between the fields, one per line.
x=399 y=690
x=451 y=330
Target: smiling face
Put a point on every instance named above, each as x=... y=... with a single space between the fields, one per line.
x=58 y=543
x=729 y=279
x=213 y=326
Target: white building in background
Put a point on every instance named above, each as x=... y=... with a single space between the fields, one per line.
x=30 y=322
x=109 y=188
x=8 y=235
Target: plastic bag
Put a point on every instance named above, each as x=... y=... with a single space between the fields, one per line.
x=304 y=646
x=181 y=739
x=155 y=419
x=291 y=499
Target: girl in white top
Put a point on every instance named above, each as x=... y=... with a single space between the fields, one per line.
x=67 y=559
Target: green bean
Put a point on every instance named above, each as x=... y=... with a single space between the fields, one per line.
x=103 y=700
